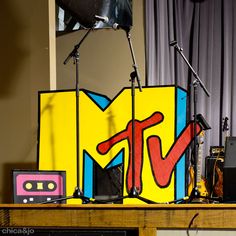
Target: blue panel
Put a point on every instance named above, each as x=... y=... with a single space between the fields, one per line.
x=181 y=109
x=117 y=160
x=88 y=176
x=100 y=100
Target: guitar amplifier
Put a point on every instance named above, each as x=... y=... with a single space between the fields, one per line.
x=217 y=151
x=214 y=175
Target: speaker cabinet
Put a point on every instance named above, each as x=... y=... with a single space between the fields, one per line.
x=229 y=189
x=229 y=175
x=230 y=152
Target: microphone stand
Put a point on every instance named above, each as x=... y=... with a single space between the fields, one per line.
x=195 y=191
x=133 y=192
x=135 y=74
x=78 y=193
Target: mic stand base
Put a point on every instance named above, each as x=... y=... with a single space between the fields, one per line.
x=196 y=197
x=132 y=194
x=78 y=194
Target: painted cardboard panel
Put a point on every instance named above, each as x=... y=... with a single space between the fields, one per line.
x=106 y=138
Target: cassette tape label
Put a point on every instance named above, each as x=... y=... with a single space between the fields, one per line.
x=39 y=184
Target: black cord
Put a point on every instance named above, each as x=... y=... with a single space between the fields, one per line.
x=191 y=223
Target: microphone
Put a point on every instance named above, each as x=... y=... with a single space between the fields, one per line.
x=116 y=26
x=104 y=19
x=173 y=43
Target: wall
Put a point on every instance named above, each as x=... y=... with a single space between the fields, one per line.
x=105 y=59
x=24 y=69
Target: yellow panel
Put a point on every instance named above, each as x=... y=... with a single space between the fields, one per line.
x=57 y=142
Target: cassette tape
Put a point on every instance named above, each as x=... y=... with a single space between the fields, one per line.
x=39 y=186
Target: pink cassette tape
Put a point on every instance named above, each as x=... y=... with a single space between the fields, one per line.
x=38 y=186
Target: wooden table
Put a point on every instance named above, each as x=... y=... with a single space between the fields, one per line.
x=146 y=218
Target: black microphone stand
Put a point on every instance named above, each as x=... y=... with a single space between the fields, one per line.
x=78 y=193
x=195 y=194
x=133 y=192
x=134 y=75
